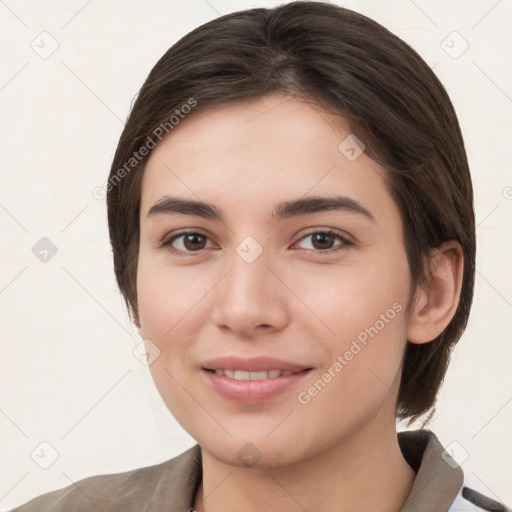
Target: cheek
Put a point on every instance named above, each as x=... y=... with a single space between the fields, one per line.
x=346 y=300
x=365 y=311
x=170 y=306
x=168 y=298
x=166 y=310
x=361 y=375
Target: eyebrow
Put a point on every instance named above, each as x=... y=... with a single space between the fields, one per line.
x=286 y=209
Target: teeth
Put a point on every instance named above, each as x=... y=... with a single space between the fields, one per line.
x=243 y=375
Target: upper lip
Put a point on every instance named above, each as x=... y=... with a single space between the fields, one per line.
x=252 y=364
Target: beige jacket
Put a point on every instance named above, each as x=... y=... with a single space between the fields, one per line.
x=171 y=485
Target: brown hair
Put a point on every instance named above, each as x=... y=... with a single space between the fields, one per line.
x=351 y=65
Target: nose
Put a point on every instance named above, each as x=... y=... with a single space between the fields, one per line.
x=251 y=298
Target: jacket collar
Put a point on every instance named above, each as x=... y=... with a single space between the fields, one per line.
x=438 y=477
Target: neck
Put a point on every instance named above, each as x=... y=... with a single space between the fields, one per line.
x=366 y=471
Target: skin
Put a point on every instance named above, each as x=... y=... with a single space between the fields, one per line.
x=339 y=451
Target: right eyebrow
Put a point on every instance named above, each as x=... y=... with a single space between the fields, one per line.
x=169 y=205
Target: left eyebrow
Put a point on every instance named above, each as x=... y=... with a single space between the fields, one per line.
x=284 y=210
x=288 y=209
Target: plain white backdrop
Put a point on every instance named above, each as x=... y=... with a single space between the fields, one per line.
x=75 y=401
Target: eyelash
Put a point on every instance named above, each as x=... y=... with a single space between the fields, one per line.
x=329 y=232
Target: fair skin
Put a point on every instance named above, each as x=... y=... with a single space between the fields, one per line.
x=338 y=451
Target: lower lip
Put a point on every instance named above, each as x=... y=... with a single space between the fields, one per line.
x=252 y=391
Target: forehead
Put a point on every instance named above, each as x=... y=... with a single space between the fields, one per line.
x=283 y=123
x=251 y=155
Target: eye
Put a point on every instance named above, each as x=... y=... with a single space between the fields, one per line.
x=322 y=241
x=192 y=241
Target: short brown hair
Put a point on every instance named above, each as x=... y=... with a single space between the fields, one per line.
x=356 y=68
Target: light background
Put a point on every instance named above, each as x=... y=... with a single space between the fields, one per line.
x=68 y=375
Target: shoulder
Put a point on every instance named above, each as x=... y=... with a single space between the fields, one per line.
x=171 y=484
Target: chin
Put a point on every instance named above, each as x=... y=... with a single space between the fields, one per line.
x=257 y=451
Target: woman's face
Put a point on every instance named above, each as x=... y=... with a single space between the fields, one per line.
x=248 y=296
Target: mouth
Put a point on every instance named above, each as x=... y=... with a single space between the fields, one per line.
x=261 y=375
x=252 y=381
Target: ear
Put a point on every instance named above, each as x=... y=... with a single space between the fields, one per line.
x=434 y=308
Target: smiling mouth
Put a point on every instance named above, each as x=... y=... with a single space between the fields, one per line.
x=262 y=375
x=258 y=381
x=245 y=375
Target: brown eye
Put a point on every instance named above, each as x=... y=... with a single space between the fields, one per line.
x=187 y=242
x=322 y=241
x=193 y=241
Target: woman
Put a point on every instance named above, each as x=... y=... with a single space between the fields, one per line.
x=291 y=215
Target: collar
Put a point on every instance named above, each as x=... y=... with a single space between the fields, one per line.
x=438 y=477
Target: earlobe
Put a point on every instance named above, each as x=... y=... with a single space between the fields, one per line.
x=434 y=308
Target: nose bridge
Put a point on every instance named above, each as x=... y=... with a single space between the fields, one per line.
x=249 y=275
